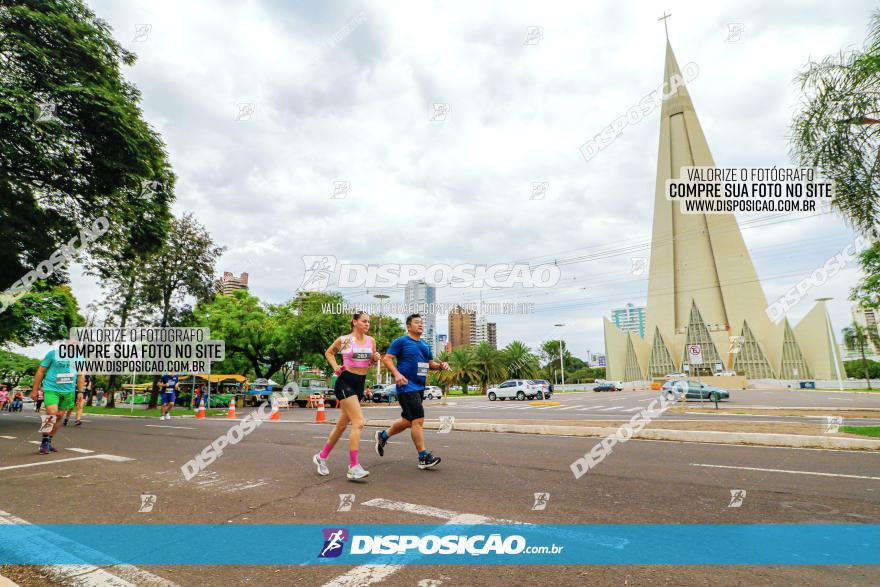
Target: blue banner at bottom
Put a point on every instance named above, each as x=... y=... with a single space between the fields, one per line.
x=526 y=544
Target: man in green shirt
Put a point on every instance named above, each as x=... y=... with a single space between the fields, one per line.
x=60 y=382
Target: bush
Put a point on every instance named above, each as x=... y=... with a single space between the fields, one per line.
x=856 y=369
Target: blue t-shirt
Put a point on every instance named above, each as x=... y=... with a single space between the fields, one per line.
x=412 y=362
x=61 y=374
x=170 y=382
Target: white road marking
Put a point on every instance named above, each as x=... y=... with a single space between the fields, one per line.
x=87 y=575
x=610 y=408
x=567 y=407
x=113 y=458
x=786 y=471
x=164 y=426
x=8 y=437
x=632 y=409
x=81 y=450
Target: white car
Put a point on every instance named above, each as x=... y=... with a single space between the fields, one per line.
x=513 y=389
x=433 y=392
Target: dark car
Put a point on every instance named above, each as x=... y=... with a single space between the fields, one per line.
x=384 y=393
x=606 y=386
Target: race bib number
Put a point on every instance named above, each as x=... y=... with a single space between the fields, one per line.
x=64 y=378
x=361 y=355
x=423 y=369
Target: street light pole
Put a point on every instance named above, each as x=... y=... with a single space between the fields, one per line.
x=561 y=362
x=379 y=297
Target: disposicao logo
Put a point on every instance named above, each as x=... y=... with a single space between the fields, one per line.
x=334 y=540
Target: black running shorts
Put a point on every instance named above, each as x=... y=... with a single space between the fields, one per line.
x=411 y=404
x=349 y=384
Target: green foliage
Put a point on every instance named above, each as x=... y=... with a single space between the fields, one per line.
x=463 y=367
x=856 y=368
x=489 y=365
x=838 y=129
x=519 y=361
x=15 y=368
x=867 y=290
x=73 y=143
x=44 y=314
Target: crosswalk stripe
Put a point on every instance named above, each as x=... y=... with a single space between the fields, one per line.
x=611 y=408
x=632 y=409
x=591 y=408
x=8 y=437
x=567 y=407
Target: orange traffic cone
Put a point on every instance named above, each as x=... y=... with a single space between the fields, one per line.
x=275 y=415
x=200 y=413
x=230 y=415
x=319 y=415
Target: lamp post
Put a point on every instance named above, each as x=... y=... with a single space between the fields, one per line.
x=379 y=297
x=561 y=363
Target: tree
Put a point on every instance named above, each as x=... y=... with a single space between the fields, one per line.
x=184 y=266
x=45 y=314
x=550 y=357
x=487 y=361
x=857 y=337
x=14 y=367
x=838 y=128
x=463 y=367
x=867 y=290
x=269 y=335
x=519 y=361
x=73 y=142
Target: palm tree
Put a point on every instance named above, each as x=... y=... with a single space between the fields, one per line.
x=519 y=361
x=442 y=379
x=462 y=367
x=838 y=128
x=489 y=366
x=857 y=337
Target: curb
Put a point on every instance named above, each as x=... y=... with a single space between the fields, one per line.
x=742 y=438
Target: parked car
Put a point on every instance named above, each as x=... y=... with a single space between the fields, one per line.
x=606 y=386
x=309 y=387
x=433 y=392
x=384 y=392
x=672 y=390
x=513 y=389
x=543 y=388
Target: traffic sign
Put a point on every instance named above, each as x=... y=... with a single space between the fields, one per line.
x=695 y=354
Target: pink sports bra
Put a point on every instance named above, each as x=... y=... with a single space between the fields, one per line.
x=357 y=354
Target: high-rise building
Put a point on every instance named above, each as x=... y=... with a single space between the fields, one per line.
x=869 y=318
x=442 y=344
x=484 y=331
x=460 y=321
x=229 y=282
x=702 y=286
x=421 y=297
x=630 y=318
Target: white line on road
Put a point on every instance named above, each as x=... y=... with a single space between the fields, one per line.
x=163 y=426
x=610 y=408
x=8 y=437
x=84 y=451
x=368 y=574
x=567 y=407
x=786 y=471
x=632 y=409
x=88 y=575
x=113 y=458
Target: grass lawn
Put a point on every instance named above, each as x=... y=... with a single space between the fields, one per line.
x=154 y=413
x=862 y=430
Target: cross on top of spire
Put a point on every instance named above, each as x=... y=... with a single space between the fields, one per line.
x=663 y=18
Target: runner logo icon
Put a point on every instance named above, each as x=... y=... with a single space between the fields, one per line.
x=334 y=540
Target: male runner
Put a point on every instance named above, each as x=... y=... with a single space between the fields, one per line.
x=80 y=401
x=169 y=394
x=413 y=362
x=58 y=378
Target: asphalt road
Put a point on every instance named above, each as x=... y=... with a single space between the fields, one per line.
x=269 y=478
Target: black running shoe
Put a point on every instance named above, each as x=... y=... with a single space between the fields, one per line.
x=428 y=461
x=65 y=421
x=380 y=444
x=78 y=423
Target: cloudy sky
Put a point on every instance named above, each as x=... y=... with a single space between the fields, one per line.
x=345 y=91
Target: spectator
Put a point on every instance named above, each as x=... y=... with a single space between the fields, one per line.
x=100 y=394
x=4 y=397
x=17 y=402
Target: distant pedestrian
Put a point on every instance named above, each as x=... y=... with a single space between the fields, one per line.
x=38 y=401
x=100 y=394
x=4 y=397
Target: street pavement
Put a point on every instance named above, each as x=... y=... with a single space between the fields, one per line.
x=104 y=467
